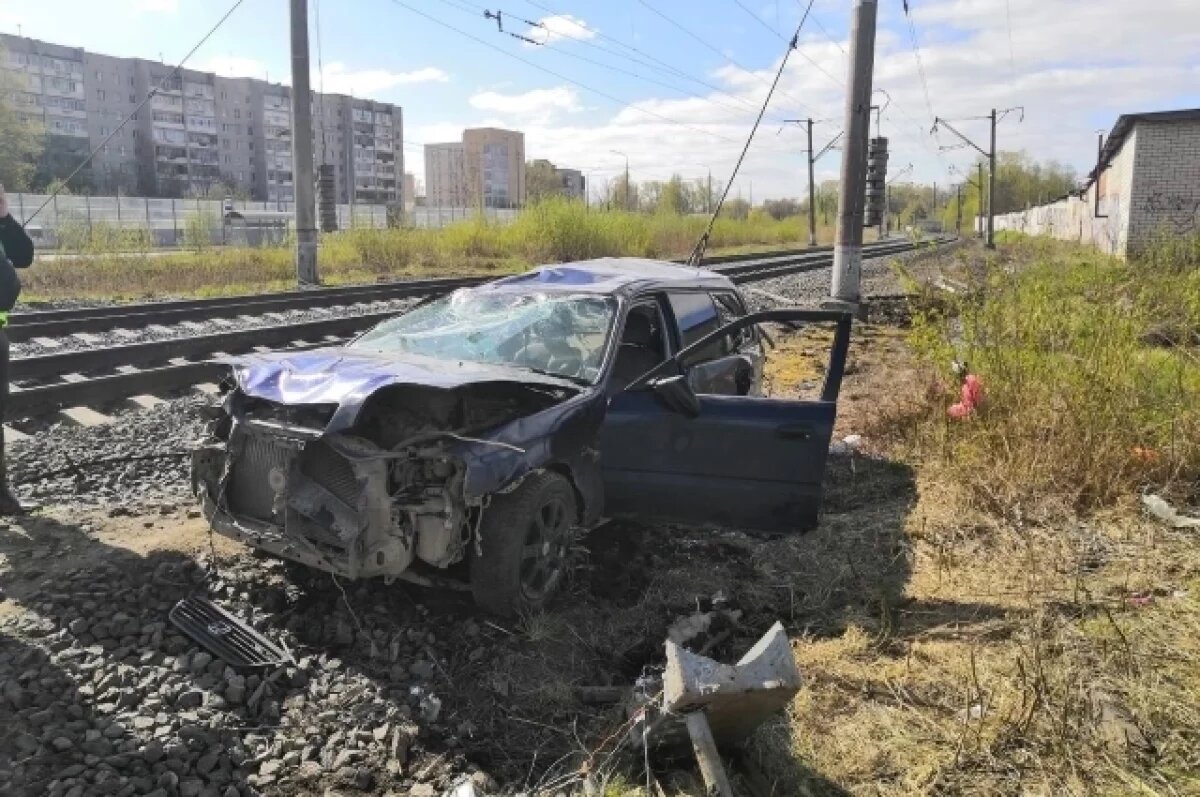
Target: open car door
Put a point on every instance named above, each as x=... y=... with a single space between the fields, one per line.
x=737 y=461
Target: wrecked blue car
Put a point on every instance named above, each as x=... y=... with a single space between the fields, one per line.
x=475 y=435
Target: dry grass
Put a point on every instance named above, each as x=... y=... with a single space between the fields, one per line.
x=553 y=231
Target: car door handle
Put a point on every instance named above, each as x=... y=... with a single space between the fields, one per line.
x=795 y=431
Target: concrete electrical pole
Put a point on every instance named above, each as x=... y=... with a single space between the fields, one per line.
x=812 y=191
x=847 y=252
x=302 y=152
x=991 y=221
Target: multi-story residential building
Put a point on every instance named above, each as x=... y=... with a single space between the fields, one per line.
x=495 y=167
x=410 y=190
x=445 y=175
x=487 y=169
x=48 y=87
x=199 y=133
x=573 y=183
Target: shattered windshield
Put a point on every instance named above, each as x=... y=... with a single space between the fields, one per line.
x=550 y=334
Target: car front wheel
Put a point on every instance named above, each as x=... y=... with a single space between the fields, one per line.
x=525 y=536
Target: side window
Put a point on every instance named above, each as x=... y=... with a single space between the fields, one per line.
x=696 y=316
x=729 y=309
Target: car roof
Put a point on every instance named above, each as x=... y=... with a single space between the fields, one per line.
x=612 y=276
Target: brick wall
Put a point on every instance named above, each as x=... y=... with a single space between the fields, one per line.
x=1151 y=188
x=1166 y=186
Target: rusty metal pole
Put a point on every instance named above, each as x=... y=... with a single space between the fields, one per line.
x=847 y=253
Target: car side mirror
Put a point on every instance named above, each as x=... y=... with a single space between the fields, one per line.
x=677 y=395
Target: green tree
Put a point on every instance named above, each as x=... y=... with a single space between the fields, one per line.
x=20 y=140
x=541 y=181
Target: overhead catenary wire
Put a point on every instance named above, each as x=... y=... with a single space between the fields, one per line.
x=718 y=51
x=560 y=76
x=622 y=70
x=777 y=35
x=150 y=95
x=697 y=253
x=642 y=57
x=912 y=32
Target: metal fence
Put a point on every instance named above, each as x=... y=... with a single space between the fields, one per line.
x=77 y=222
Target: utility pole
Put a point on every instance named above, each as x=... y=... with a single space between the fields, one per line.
x=990 y=154
x=991 y=222
x=812 y=193
x=302 y=154
x=958 y=213
x=847 y=252
x=979 y=188
x=813 y=157
x=708 y=199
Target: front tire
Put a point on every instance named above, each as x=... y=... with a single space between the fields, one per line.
x=525 y=536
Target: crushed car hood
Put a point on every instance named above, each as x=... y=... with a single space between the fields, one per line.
x=344 y=377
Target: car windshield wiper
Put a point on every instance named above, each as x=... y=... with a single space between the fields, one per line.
x=579 y=380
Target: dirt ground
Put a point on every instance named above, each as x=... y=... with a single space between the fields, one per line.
x=944 y=652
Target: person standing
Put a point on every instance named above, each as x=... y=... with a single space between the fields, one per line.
x=16 y=251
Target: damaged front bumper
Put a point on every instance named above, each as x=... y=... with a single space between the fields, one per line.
x=333 y=502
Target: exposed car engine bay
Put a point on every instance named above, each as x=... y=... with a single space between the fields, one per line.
x=367 y=500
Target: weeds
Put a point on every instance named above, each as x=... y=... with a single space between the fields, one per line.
x=553 y=231
x=1084 y=402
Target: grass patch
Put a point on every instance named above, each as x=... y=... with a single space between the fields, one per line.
x=1091 y=373
x=553 y=231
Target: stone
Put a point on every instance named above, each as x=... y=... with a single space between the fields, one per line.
x=191 y=787
x=422 y=790
x=270 y=767
x=200 y=661
x=153 y=752
x=78 y=626
x=192 y=698
x=62 y=744
x=421 y=668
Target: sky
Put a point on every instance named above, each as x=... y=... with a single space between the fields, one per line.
x=674 y=86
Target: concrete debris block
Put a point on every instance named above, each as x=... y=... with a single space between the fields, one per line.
x=735 y=698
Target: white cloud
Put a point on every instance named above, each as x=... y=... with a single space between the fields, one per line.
x=159 y=6
x=340 y=79
x=557 y=28
x=538 y=104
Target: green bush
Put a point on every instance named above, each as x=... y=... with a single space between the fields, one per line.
x=1092 y=376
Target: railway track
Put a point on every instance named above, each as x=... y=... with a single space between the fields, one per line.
x=43 y=384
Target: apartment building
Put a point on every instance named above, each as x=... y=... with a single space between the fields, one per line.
x=200 y=133
x=47 y=86
x=445 y=175
x=486 y=169
x=494 y=159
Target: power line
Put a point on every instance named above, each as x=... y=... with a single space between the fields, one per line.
x=174 y=73
x=719 y=52
x=644 y=58
x=621 y=70
x=776 y=34
x=697 y=254
x=560 y=76
x=912 y=31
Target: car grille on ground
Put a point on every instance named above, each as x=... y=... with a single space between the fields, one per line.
x=226 y=636
x=250 y=493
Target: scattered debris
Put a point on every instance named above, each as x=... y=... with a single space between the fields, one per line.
x=231 y=639
x=1158 y=507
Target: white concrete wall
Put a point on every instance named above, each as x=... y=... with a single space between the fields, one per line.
x=1152 y=187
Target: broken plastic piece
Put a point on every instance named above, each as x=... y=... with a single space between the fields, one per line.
x=227 y=637
x=1157 y=506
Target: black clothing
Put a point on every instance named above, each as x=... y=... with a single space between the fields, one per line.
x=16 y=242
